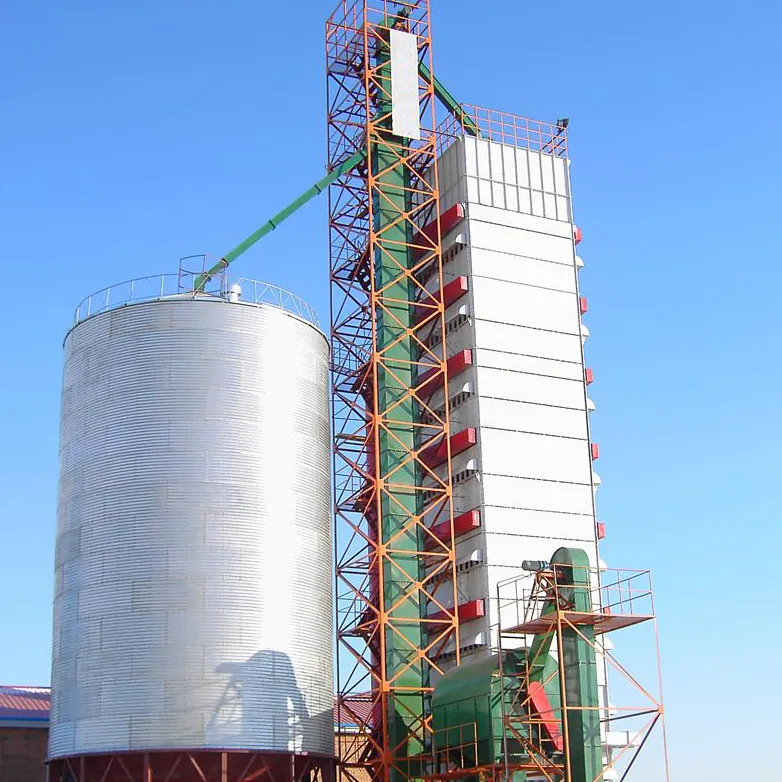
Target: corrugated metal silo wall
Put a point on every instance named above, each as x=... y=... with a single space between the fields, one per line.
x=193 y=604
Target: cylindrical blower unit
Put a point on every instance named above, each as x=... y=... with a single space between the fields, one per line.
x=193 y=598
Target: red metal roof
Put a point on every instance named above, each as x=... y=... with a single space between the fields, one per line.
x=356 y=706
x=24 y=703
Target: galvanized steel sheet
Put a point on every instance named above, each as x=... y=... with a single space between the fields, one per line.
x=193 y=604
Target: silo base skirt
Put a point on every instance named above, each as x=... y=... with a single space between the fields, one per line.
x=195 y=766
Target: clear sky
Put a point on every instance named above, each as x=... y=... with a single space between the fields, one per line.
x=136 y=133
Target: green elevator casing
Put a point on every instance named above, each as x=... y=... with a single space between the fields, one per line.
x=579 y=665
x=467 y=710
x=400 y=502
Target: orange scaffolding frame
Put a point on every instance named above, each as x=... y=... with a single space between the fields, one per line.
x=385 y=512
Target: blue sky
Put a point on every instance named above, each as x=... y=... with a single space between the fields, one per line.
x=134 y=134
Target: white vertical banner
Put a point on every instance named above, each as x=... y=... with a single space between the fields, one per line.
x=405 y=110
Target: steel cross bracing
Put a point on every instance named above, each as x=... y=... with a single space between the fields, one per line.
x=192 y=766
x=392 y=571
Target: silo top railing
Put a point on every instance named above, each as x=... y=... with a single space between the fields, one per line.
x=159 y=287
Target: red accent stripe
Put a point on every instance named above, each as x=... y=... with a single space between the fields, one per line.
x=435 y=455
x=462 y=524
x=542 y=705
x=595 y=451
x=432 y=380
x=452 y=292
x=465 y=612
x=449 y=219
x=589 y=376
x=582 y=305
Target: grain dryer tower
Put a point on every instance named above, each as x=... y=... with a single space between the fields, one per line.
x=193 y=607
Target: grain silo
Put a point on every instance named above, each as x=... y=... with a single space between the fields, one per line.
x=193 y=599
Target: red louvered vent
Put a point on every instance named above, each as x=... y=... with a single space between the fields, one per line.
x=449 y=219
x=432 y=380
x=452 y=292
x=462 y=524
x=465 y=612
x=435 y=455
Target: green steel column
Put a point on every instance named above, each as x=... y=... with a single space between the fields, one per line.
x=399 y=505
x=577 y=656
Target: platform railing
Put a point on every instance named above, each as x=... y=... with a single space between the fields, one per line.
x=613 y=592
x=504 y=128
x=160 y=287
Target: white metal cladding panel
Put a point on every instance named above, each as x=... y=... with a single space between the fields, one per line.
x=516 y=179
x=450 y=174
x=464 y=415
x=457 y=340
x=462 y=461
x=193 y=605
x=530 y=341
x=471 y=585
x=538 y=524
x=466 y=492
x=466 y=545
x=546 y=367
x=458 y=311
x=466 y=496
x=532 y=244
x=456 y=194
x=458 y=267
x=456 y=388
x=448 y=167
x=470 y=633
x=521 y=269
x=538 y=456
x=521 y=387
x=497 y=216
x=540 y=419
x=463 y=382
x=530 y=494
x=523 y=305
x=459 y=264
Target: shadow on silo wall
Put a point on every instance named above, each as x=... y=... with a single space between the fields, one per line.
x=263 y=706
